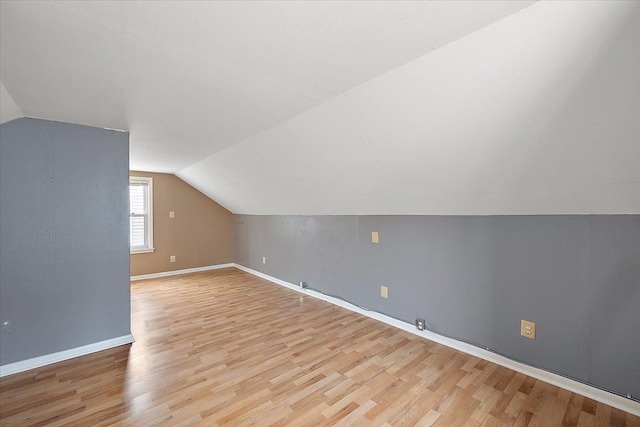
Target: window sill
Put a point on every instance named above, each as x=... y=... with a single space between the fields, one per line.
x=142 y=251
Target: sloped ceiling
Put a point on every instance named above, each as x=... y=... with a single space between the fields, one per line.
x=349 y=107
x=9 y=110
x=191 y=78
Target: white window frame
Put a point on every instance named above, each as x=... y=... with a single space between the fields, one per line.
x=149 y=222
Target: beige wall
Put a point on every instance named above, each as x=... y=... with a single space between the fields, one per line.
x=201 y=233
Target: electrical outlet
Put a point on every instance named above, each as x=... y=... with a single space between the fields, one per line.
x=420 y=324
x=172 y=214
x=528 y=329
x=384 y=292
x=264 y=259
x=172 y=258
x=374 y=237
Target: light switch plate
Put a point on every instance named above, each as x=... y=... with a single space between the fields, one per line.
x=374 y=237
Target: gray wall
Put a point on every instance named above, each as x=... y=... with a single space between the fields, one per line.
x=476 y=277
x=64 y=243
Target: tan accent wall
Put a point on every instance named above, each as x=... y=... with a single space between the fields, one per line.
x=201 y=234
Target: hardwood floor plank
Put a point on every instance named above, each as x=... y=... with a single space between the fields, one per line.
x=228 y=348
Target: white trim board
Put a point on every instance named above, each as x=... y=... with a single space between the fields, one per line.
x=178 y=272
x=605 y=397
x=47 y=359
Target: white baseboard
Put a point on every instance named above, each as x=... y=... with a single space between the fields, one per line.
x=603 y=396
x=47 y=359
x=178 y=272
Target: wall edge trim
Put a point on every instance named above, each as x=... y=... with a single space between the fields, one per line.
x=178 y=272
x=48 y=359
x=591 y=392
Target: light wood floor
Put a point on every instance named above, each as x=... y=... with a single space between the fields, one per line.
x=226 y=347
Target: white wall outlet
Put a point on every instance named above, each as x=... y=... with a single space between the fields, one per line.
x=172 y=258
x=264 y=259
x=172 y=214
x=375 y=238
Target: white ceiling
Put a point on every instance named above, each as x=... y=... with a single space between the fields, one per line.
x=538 y=113
x=191 y=78
x=348 y=107
x=9 y=110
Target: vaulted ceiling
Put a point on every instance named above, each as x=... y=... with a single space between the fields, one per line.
x=469 y=107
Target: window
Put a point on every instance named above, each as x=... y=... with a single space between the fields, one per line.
x=140 y=214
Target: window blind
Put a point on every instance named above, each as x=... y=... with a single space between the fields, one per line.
x=140 y=236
